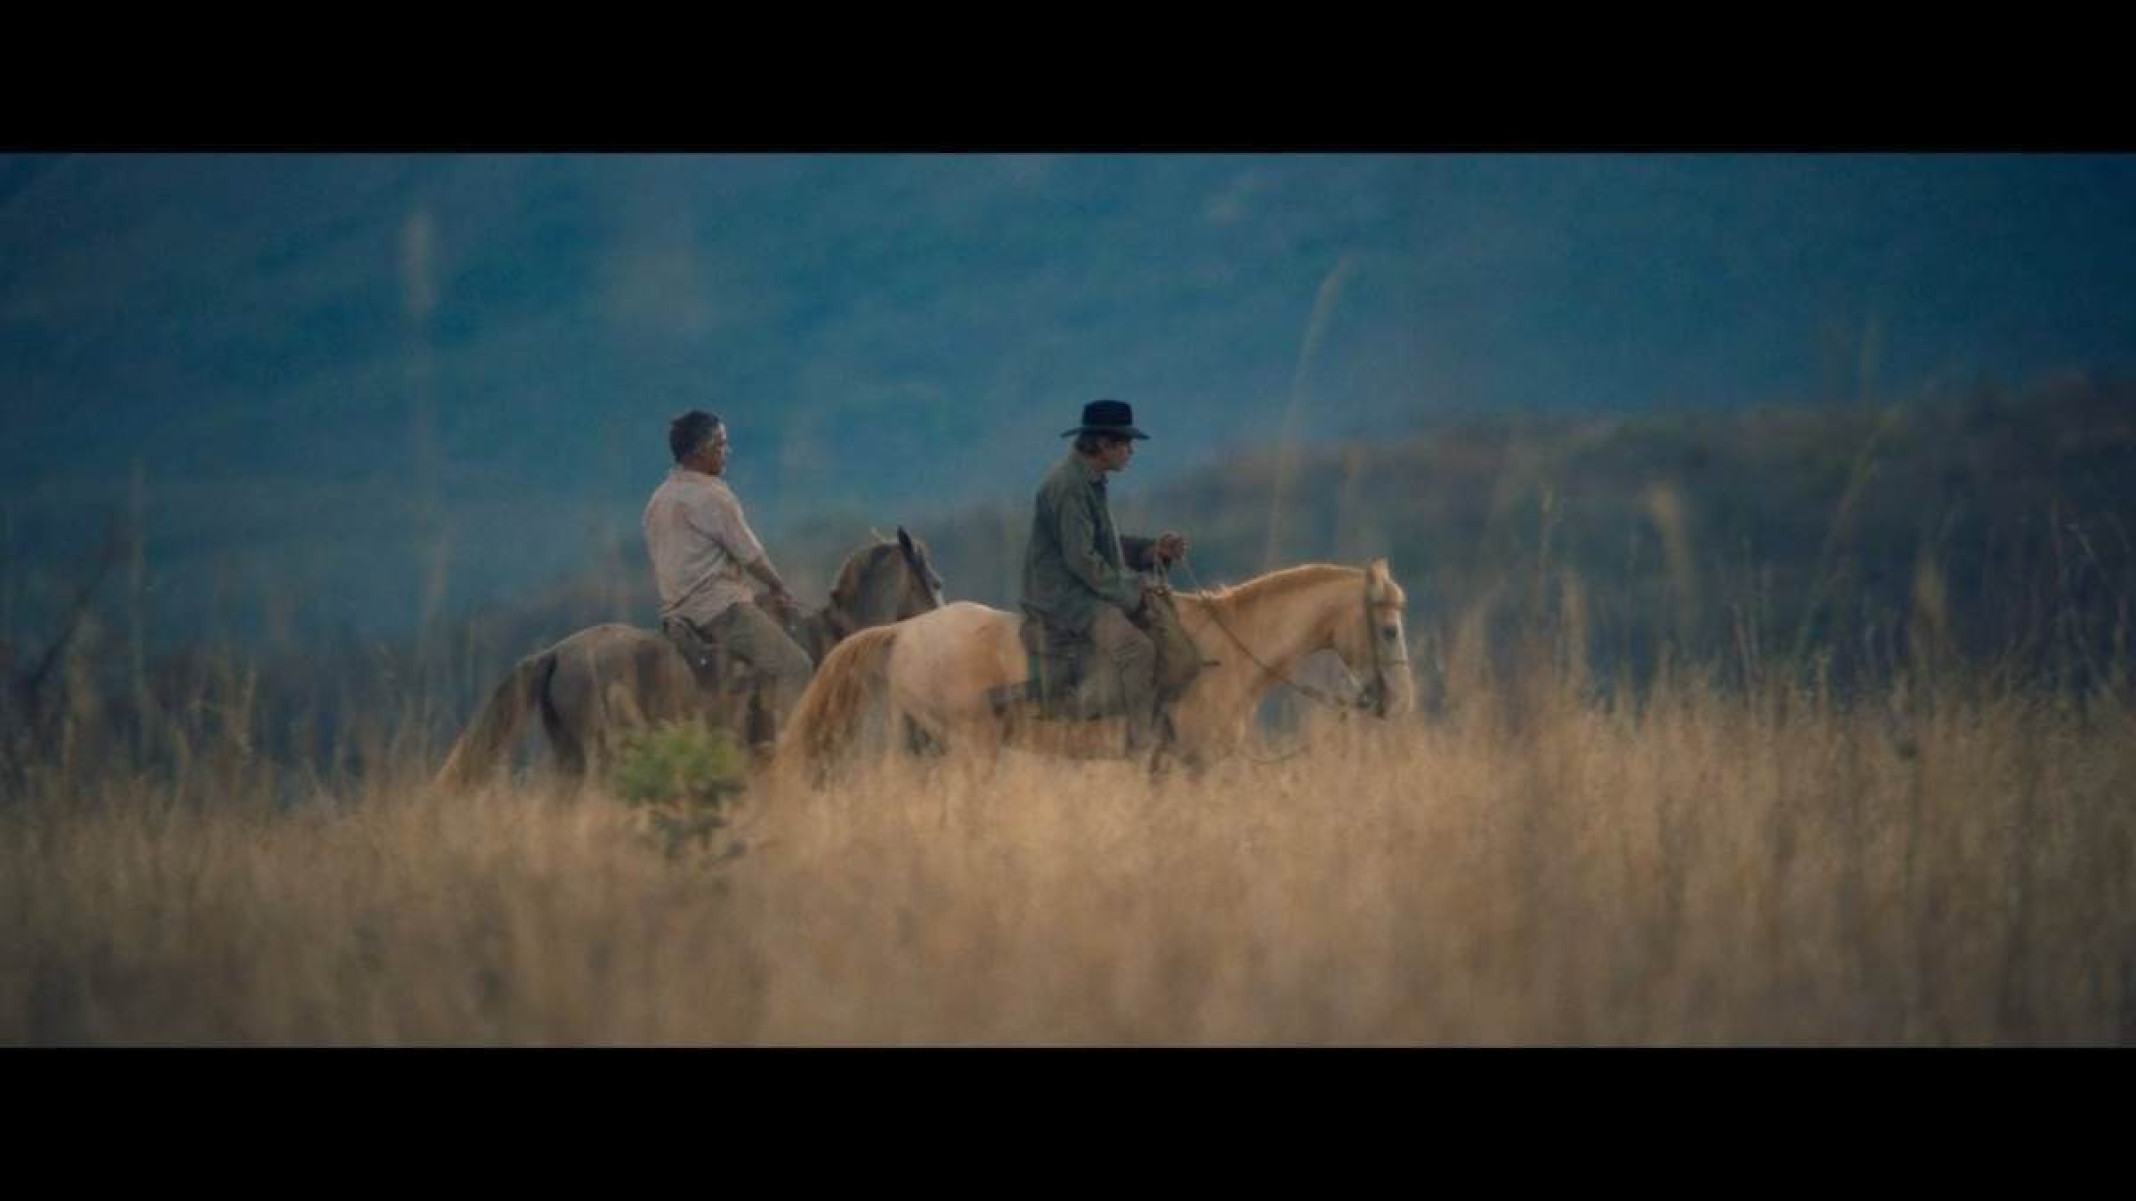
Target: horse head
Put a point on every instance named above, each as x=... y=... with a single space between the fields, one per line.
x=889 y=581
x=1373 y=644
x=923 y=585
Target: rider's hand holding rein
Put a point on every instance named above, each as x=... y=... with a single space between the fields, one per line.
x=775 y=588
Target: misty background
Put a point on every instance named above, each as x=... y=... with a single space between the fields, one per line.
x=352 y=394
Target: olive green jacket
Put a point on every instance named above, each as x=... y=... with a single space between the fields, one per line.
x=1076 y=560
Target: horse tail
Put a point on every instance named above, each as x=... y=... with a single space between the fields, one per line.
x=474 y=756
x=827 y=713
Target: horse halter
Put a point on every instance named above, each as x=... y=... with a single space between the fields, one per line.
x=1375 y=693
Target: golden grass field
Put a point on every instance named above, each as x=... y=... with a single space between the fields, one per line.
x=1715 y=868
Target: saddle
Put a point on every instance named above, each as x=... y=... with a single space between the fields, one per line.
x=719 y=675
x=1063 y=685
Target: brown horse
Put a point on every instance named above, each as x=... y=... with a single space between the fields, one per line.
x=607 y=679
x=942 y=669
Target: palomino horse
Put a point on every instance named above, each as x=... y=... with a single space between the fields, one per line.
x=939 y=667
x=609 y=678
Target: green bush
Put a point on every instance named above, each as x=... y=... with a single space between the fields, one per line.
x=686 y=777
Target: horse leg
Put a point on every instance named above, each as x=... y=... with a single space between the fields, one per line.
x=963 y=760
x=920 y=743
x=569 y=716
x=979 y=742
x=570 y=751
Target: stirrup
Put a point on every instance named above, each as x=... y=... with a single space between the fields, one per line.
x=1162 y=735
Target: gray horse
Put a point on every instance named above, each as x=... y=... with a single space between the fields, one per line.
x=607 y=679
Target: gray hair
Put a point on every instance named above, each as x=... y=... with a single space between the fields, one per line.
x=689 y=431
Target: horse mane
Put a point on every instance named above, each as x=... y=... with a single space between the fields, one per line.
x=1281 y=582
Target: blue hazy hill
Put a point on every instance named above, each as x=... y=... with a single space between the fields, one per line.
x=378 y=385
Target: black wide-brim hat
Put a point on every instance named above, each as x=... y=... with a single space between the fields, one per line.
x=1107 y=417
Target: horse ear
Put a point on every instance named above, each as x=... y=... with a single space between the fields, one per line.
x=1377 y=577
x=904 y=539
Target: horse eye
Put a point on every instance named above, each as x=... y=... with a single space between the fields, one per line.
x=1389 y=631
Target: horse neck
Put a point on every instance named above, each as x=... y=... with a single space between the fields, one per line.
x=829 y=622
x=817 y=632
x=1281 y=618
x=865 y=584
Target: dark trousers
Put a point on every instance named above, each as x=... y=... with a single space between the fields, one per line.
x=781 y=667
x=1125 y=667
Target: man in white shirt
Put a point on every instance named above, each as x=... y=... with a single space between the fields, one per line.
x=704 y=557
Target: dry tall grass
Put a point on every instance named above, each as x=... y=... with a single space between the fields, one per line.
x=1712 y=868
x=1892 y=805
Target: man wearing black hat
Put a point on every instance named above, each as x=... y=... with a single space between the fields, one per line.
x=1076 y=579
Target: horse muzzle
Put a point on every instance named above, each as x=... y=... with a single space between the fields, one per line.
x=1389 y=693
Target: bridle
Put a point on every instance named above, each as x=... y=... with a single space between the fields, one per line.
x=1375 y=694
